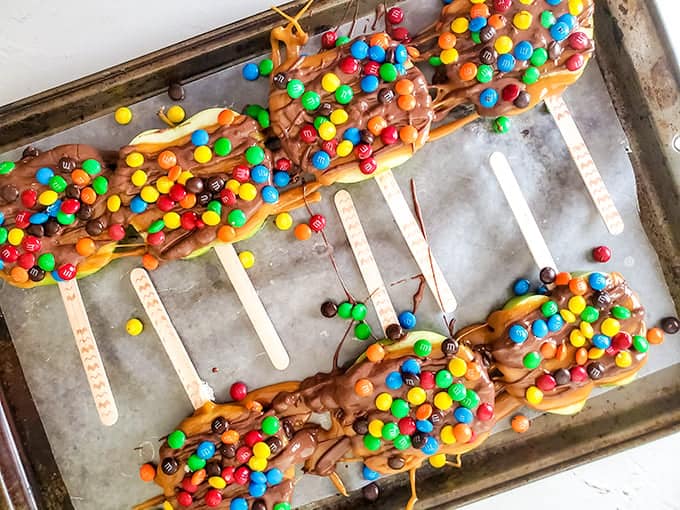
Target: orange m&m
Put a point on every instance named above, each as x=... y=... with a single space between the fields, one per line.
x=225 y=118
x=375 y=353
x=147 y=472
x=86 y=247
x=149 y=262
x=520 y=423
x=562 y=278
x=404 y=87
x=376 y=125
x=578 y=286
x=408 y=134
x=363 y=387
x=655 y=336
x=80 y=177
x=479 y=11
x=407 y=103
x=447 y=41
x=302 y=232
x=167 y=160
x=468 y=71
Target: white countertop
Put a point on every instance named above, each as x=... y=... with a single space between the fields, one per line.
x=44 y=44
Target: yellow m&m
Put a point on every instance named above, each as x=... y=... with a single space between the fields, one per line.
x=138 y=177
x=610 y=327
x=330 y=82
x=587 y=329
x=257 y=463
x=576 y=305
x=576 y=338
x=375 y=428
x=534 y=395
x=283 y=221
x=438 y=460
x=339 y=116
x=134 y=160
x=123 y=115
x=149 y=194
x=247 y=259
x=523 y=20
x=568 y=317
x=176 y=114
x=15 y=236
x=383 y=401
x=460 y=25
x=262 y=450
x=449 y=56
x=443 y=401
x=48 y=197
x=457 y=367
x=576 y=7
x=172 y=220
x=163 y=184
x=327 y=131
x=623 y=359
x=416 y=396
x=202 y=154
x=211 y=218
x=503 y=44
x=113 y=203
x=446 y=435
x=345 y=148
x=247 y=191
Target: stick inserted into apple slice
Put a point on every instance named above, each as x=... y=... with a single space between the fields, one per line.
x=520 y=209
x=415 y=239
x=89 y=352
x=197 y=390
x=365 y=260
x=585 y=164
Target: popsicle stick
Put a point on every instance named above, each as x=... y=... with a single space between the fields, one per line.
x=527 y=223
x=585 y=164
x=89 y=352
x=416 y=242
x=197 y=390
x=365 y=259
x=253 y=306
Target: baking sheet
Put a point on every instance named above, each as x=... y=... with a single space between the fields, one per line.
x=471 y=231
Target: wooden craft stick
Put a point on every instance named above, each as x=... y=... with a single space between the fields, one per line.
x=416 y=242
x=253 y=306
x=89 y=352
x=197 y=390
x=585 y=164
x=527 y=223
x=365 y=260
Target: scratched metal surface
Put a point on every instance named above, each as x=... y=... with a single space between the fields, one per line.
x=473 y=236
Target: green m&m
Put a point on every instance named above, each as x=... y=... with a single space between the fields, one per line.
x=388 y=72
x=344 y=94
x=255 y=155
x=195 y=462
x=549 y=308
x=640 y=343
x=215 y=206
x=402 y=442
x=46 y=262
x=620 y=312
x=58 y=183
x=484 y=73
x=359 y=311
x=390 y=431
x=295 y=89
x=156 y=226
x=371 y=443
x=3 y=235
x=435 y=61
x=340 y=41
x=457 y=391
x=362 y=331
x=531 y=360
x=443 y=379
x=100 y=185
x=399 y=408
x=422 y=348
x=471 y=399
x=310 y=100
x=236 y=218
x=6 y=167
x=222 y=147
x=271 y=425
x=345 y=310
x=590 y=314
x=266 y=67
x=531 y=75
x=501 y=125
x=176 y=439
x=92 y=166
x=547 y=19
x=282 y=506
x=539 y=57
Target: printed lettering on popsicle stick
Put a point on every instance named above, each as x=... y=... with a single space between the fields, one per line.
x=89 y=352
x=253 y=306
x=197 y=390
x=527 y=223
x=416 y=242
x=585 y=164
x=365 y=259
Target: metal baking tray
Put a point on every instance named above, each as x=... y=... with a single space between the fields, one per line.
x=55 y=454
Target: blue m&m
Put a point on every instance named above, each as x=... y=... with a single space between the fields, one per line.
x=559 y=31
x=407 y=320
x=369 y=474
x=257 y=490
x=476 y=24
x=321 y=160
x=431 y=446
x=270 y=194
x=425 y=426
x=524 y=50
x=200 y=137
x=376 y=53
x=359 y=50
x=281 y=179
x=488 y=98
x=553 y=2
x=400 y=54
x=274 y=476
x=463 y=415
x=205 y=450
x=259 y=174
x=506 y=63
x=568 y=19
x=43 y=175
x=410 y=366
x=521 y=287
x=601 y=341
x=353 y=135
x=251 y=72
x=394 y=381
x=555 y=323
x=597 y=281
x=539 y=328
x=518 y=333
x=369 y=83
x=258 y=477
x=137 y=205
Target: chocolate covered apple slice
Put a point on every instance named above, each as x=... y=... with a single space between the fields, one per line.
x=351 y=112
